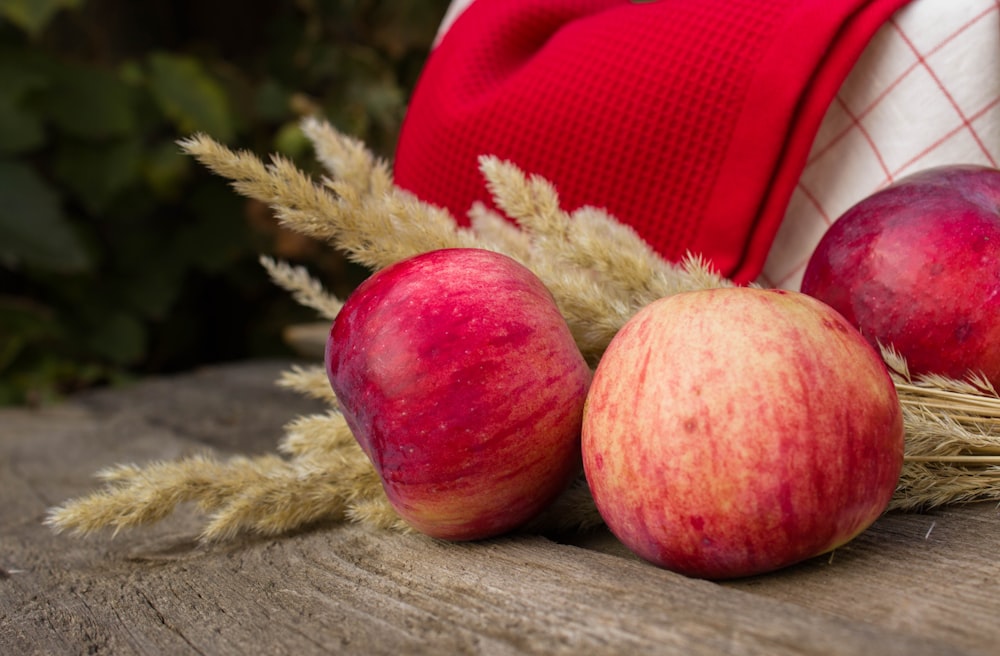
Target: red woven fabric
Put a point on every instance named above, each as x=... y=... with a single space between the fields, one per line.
x=689 y=120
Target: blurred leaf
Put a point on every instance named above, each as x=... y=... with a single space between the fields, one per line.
x=25 y=316
x=119 y=337
x=20 y=127
x=384 y=101
x=33 y=15
x=88 y=102
x=217 y=237
x=400 y=27
x=291 y=141
x=21 y=70
x=166 y=169
x=33 y=229
x=130 y=72
x=152 y=293
x=239 y=95
x=189 y=96
x=24 y=322
x=96 y=173
x=272 y=101
x=146 y=277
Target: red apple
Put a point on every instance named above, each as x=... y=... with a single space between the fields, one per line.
x=462 y=383
x=731 y=432
x=917 y=266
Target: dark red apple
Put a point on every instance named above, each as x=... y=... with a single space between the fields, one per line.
x=917 y=266
x=462 y=383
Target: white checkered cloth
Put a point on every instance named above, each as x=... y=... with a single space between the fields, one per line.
x=926 y=92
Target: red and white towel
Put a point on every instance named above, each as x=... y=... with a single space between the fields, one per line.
x=738 y=129
x=926 y=92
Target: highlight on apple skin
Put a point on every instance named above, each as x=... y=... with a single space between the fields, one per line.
x=732 y=432
x=462 y=383
x=917 y=266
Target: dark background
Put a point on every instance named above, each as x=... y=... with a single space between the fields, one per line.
x=121 y=257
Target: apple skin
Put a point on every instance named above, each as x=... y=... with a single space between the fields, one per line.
x=732 y=432
x=917 y=266
x=462 y=383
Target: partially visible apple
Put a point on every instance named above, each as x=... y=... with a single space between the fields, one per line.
x=730 y=432
x=462 y=383
x=917 y=266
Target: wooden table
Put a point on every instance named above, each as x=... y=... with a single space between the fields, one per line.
x=912 y=584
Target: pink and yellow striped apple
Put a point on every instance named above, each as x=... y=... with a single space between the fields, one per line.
x=462 y=383
x=731 y=432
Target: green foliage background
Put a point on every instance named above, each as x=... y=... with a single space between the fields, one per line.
x=118 y=255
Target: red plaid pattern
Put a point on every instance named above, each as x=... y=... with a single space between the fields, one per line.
x=925 y=92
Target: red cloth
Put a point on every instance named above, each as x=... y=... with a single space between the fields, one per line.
x=690 y=120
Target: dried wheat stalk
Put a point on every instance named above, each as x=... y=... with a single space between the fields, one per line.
x=306 y=290
x=600 y=273
x=952 y=439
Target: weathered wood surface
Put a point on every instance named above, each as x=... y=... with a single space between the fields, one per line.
x=913 y=584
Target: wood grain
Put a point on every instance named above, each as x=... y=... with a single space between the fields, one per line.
x=913 y=584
